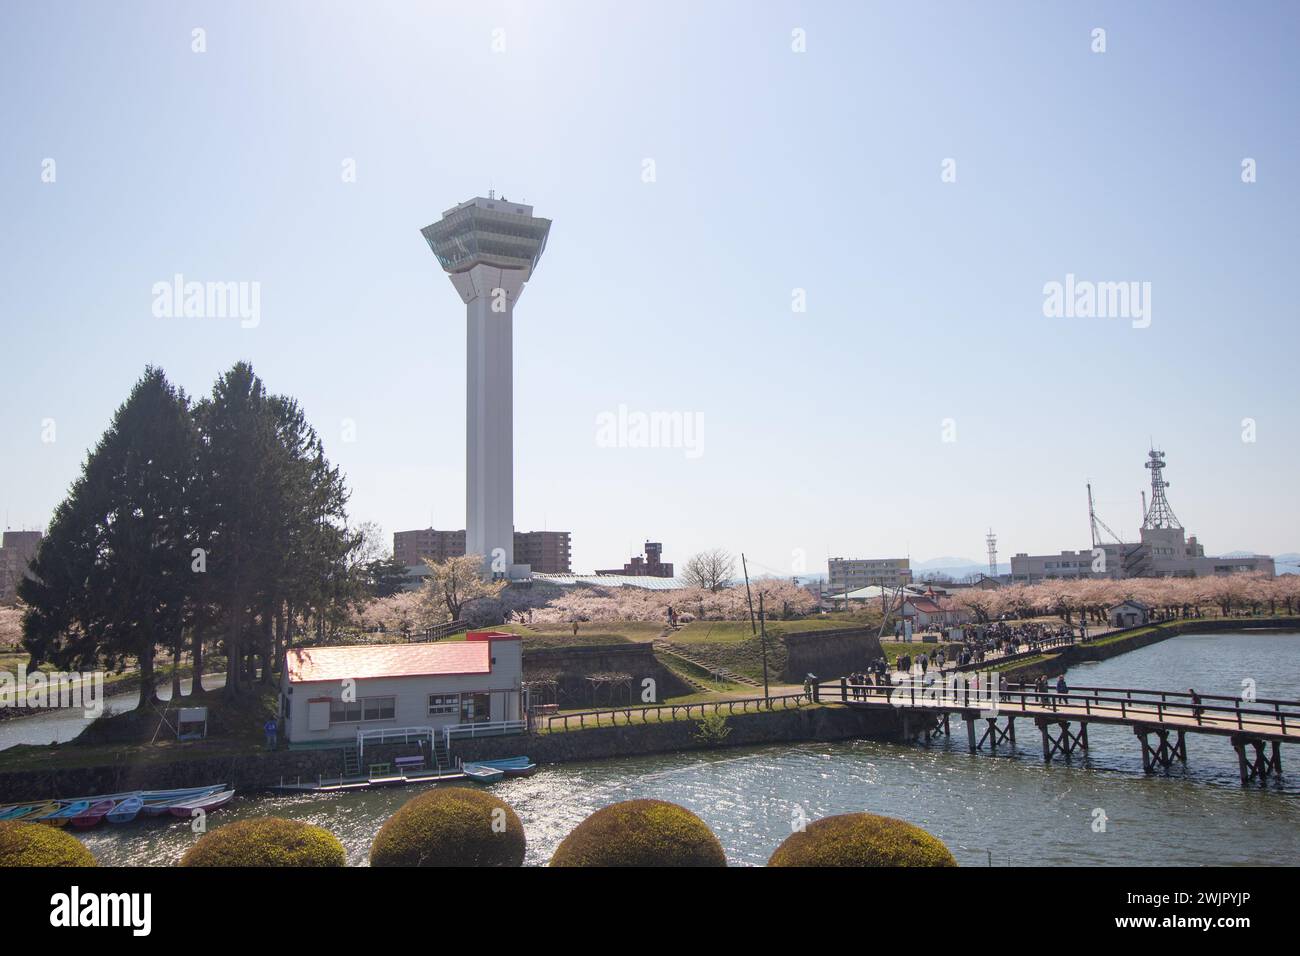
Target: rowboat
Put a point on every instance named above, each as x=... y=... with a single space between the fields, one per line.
x=93 y=814
x=482 y=773
x=205 y=803
x=512 y=766
x=64 y=813
x=127 y=810
x=23 y=811
x=158 y=802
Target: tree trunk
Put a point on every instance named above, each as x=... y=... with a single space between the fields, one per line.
x=148 y=680
x=234 y=660
x=176 y=666
x=196 y=640
x=268 y=645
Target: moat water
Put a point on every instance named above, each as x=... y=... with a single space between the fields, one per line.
x=998 y=810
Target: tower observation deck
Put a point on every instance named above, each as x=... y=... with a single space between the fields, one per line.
x=489 y=249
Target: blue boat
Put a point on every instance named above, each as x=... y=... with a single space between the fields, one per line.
x=482 y=773
x=127 y=810
x=66 y=812
x=512 y=766
x=18 y=811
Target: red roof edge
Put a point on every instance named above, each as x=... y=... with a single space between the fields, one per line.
x=491 y=636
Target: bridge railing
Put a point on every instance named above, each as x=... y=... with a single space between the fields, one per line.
x=1126 y=703
x=611 y=717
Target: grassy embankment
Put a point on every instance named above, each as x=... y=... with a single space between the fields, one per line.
x=139 y=736
x=733 y=646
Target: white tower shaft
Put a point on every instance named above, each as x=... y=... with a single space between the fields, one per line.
x=489 y=406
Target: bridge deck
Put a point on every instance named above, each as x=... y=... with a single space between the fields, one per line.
x=1223 y=716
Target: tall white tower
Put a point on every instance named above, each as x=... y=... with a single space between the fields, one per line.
x=489 y=248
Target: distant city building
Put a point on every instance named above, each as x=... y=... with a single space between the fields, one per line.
x=412 y=547
x=17 y=548
x=548 y=552
x=650 y=565
x=847 y=574
x=927 y=612
x=1129 y=614
x=1163 y=550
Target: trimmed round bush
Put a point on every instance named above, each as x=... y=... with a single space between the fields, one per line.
x=861 y=839
x=267 y=841
x=641 y=833
x=451 y=826
x=38 y=844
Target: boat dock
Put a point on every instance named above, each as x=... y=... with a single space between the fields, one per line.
x=346 y=784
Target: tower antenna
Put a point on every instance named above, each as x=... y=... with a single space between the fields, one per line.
x=992 y=541
x=1159 y=514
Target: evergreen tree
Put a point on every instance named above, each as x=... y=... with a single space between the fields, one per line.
x=113 y=576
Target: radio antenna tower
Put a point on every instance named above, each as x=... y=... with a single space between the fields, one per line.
x=992 y=541
x=1159 y=514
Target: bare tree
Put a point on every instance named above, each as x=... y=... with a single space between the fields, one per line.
x=711 y=569
x=453 y=583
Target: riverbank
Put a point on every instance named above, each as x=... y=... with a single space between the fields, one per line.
x=1051 y=664
x=40 y=773
x=249 y=769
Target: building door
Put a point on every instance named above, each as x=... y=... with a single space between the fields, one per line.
x=475 y=708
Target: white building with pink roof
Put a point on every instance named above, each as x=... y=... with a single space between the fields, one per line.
x=377 y=692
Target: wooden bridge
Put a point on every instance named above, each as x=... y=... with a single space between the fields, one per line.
x=1160 y=720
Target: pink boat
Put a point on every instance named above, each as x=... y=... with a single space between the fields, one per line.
x=205 y=803
x=93 y=814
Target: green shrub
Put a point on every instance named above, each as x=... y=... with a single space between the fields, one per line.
x=451 y=826
x=641 y=833
x=38 y=844
x=267 y=841
x=861 y=839
x=713 y=728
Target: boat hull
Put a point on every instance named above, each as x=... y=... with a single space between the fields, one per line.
x=480 y=773
x=206 y=804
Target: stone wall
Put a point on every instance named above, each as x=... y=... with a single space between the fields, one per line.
x=829 y=653
x=571 y=666
x=250 y=771
x=746 y=730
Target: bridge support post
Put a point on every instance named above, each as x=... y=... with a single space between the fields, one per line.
x=935 y=727
x=1161 y=754
x=993 y=734
x=1066 y=742
x=1262 y=765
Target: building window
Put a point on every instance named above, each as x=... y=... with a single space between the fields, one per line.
x=345 y=712
x=443 y=704
x=366 y=708
x=475 y=708
x=379 y=708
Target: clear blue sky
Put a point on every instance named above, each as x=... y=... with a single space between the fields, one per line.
x=775 y=170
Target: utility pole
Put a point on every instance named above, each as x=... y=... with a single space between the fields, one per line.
x=762 y=621
x=748 y=595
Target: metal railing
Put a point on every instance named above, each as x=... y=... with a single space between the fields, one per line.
x=486 y=728
x=386 y=734
x=644 y=715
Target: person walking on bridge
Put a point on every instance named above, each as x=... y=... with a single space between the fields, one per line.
x=1197 y=709
x=1061 y=688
